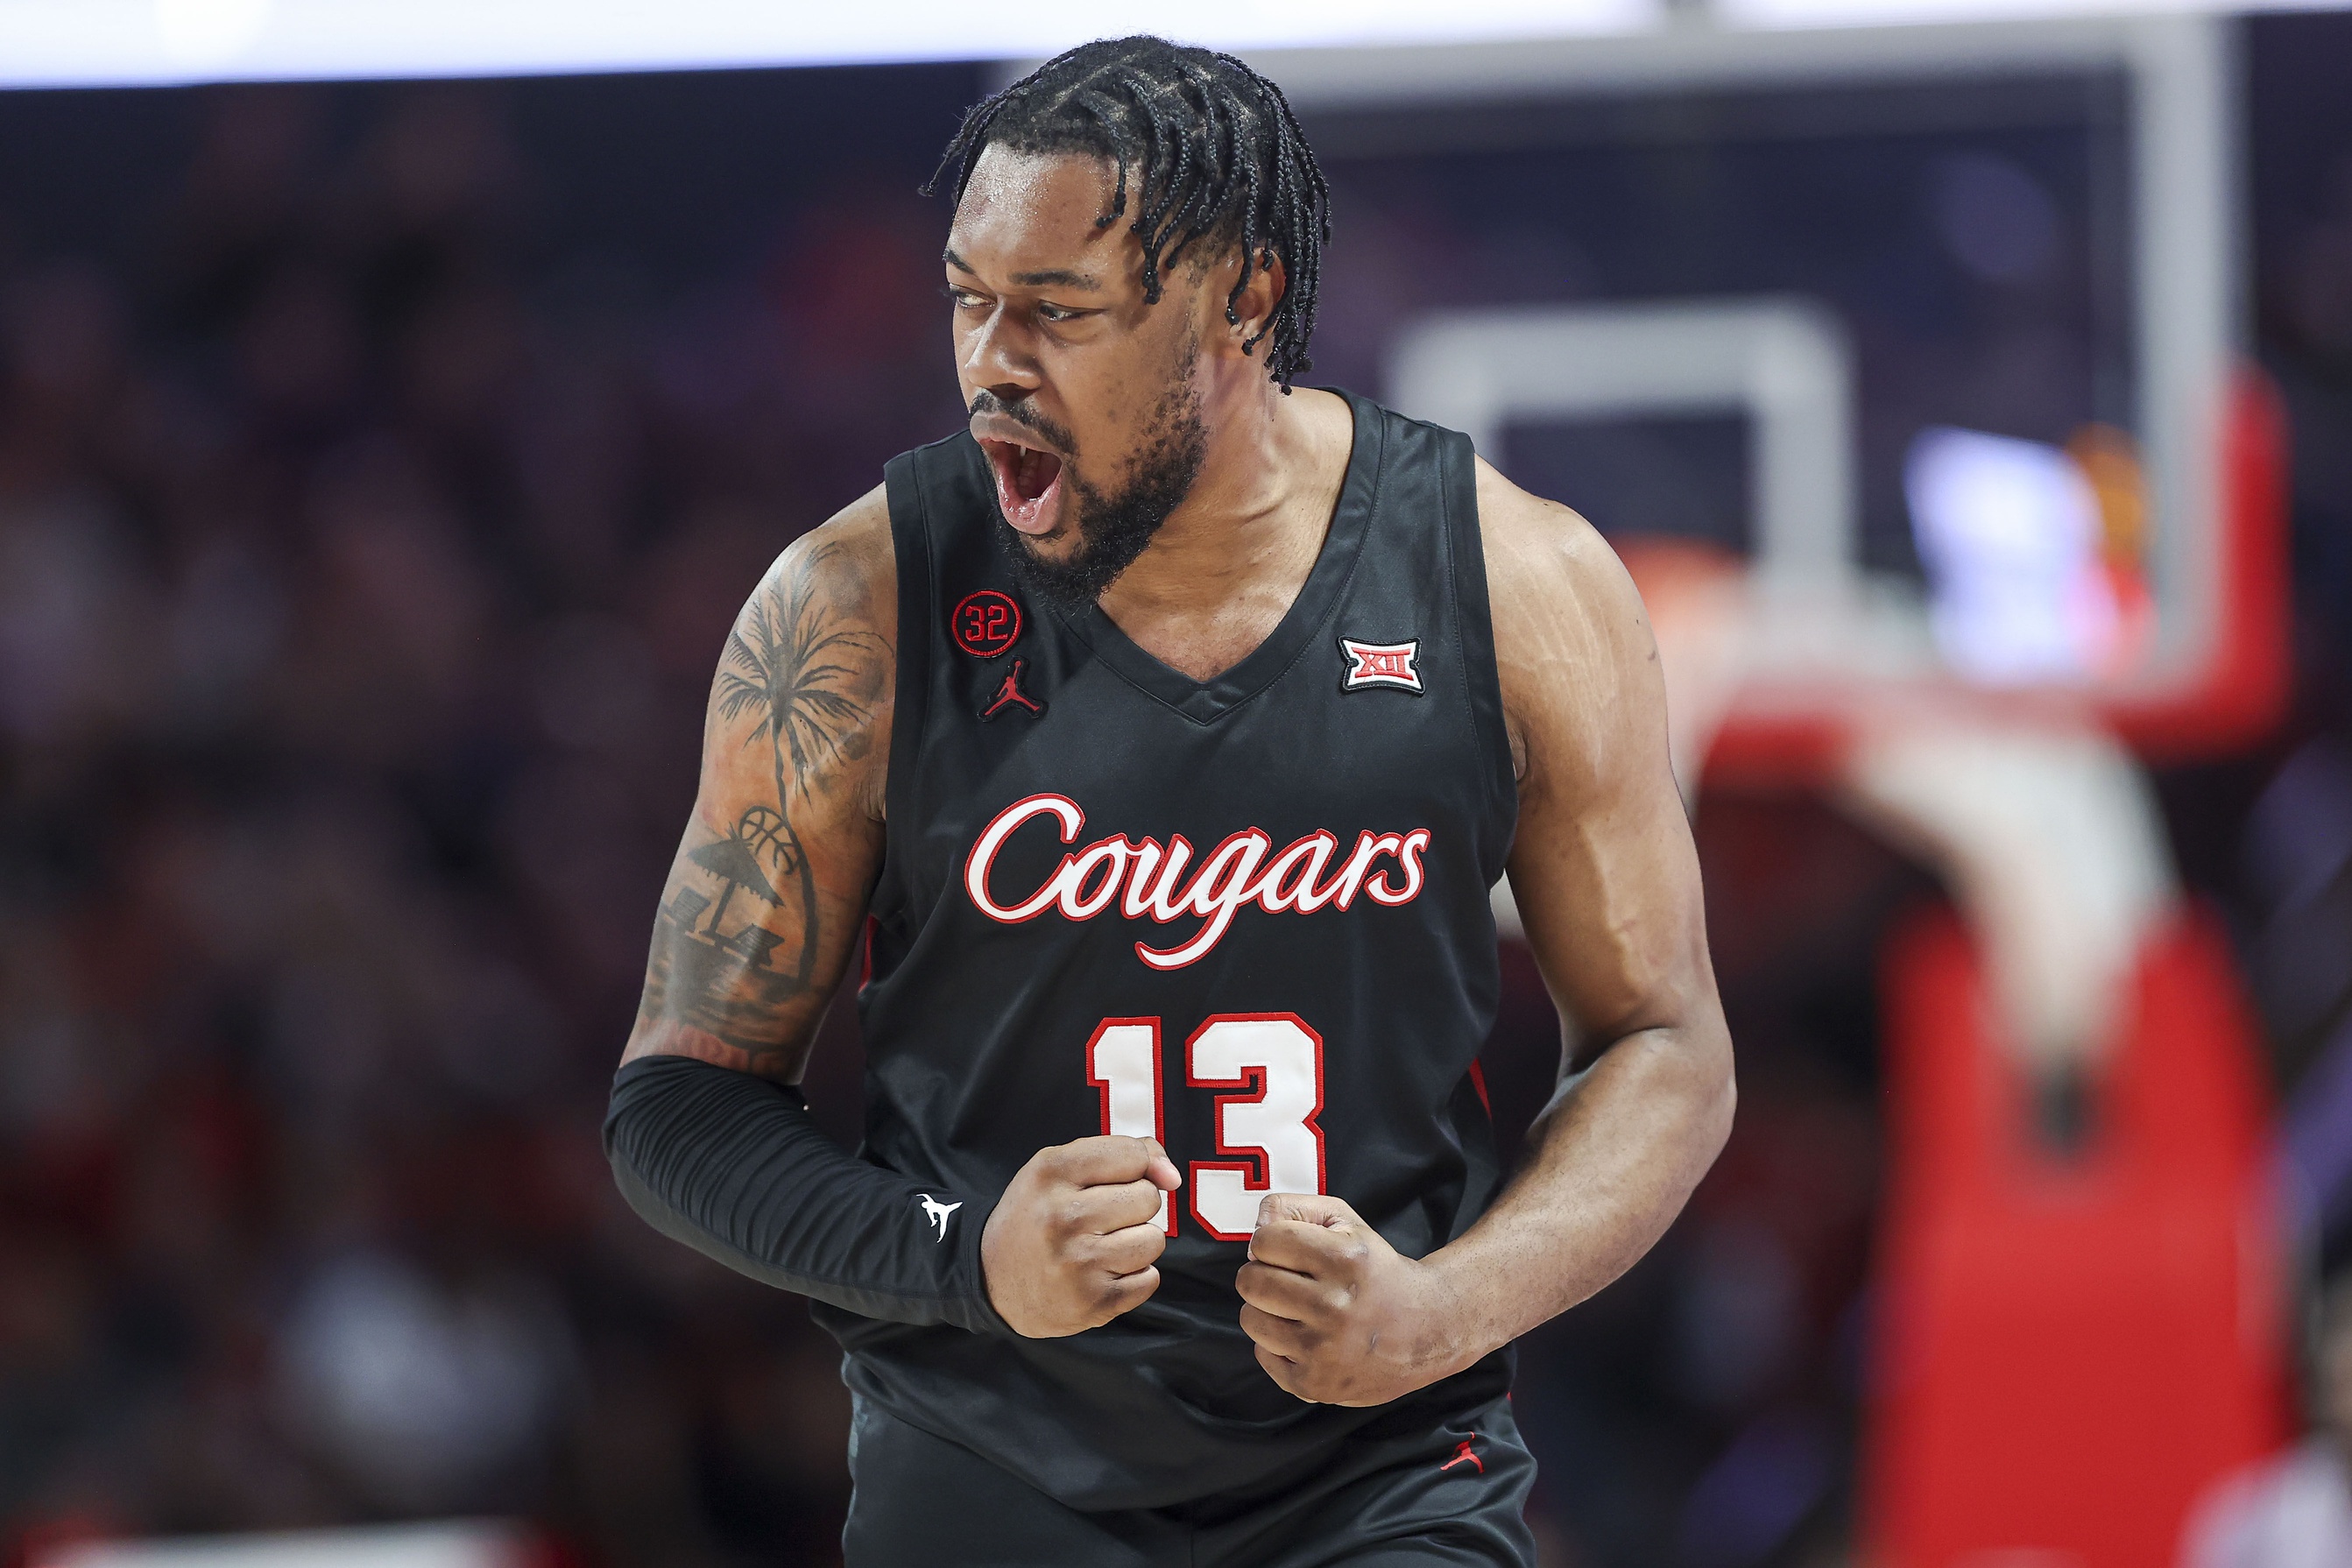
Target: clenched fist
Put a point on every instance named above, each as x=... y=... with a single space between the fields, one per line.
x=1072 y=1242
x=1339 y=1316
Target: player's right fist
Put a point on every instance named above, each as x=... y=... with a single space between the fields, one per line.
x=1072 y=1242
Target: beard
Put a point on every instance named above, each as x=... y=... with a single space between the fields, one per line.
x=1115 y=526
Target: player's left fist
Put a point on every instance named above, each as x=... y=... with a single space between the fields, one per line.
x=1339 y=1316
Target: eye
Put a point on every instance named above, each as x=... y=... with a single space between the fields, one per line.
x=1059 y=313
x=965 y=299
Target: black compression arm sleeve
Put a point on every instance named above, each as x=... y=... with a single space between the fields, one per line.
x=732 y=1165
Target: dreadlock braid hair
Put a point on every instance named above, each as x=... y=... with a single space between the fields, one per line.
x=1209 y=157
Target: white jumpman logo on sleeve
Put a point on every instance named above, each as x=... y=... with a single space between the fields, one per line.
x=937 y=1211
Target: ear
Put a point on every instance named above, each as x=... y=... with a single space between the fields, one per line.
x=1246 y=320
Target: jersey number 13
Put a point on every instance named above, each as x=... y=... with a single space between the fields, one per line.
x=1270 y=1067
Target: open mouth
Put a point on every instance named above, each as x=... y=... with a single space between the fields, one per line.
x=1028 y=484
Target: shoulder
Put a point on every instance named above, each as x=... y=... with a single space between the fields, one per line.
x=1572 y=642
x=846 y=566
x=1545 y=558
x=814 y=654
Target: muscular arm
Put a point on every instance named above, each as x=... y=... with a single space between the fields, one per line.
x=768 y=889
x=1607 y=883
x=708 y=1140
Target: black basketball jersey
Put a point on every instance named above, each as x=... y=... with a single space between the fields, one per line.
x=1248 y=916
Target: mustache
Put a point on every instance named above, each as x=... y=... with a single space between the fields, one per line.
x=1025 y=413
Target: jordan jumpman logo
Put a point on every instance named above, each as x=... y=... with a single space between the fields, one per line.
x=1462 y=1455
x=937 y=1213
x=1010 y=695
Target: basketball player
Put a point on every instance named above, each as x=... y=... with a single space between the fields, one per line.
x=1152 y=746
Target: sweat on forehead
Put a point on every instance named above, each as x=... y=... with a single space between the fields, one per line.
x=1203 y=153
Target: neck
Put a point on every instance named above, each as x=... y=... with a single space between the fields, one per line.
x=1256 y=515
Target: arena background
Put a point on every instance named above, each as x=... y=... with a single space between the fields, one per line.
x=381 y=465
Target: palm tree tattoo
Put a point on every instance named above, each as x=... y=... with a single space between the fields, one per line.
x=788 y=663
x=797 y=670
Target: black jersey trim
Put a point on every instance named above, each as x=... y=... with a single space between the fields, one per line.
x=1319 y=598
x=910 y=711
x=1473 y=626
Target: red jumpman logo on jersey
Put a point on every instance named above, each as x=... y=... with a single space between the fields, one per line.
x=1462 y=1455
x=1010 y=694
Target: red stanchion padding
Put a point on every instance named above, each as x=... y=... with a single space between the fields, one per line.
x=2068 y=1350
x=2240 y=690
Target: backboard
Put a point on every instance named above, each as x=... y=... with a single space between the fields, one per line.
x=1937 y=328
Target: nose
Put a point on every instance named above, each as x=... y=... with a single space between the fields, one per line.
x=994 y=359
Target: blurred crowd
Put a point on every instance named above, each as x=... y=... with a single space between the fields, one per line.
x=369 y=527
x=360 y=577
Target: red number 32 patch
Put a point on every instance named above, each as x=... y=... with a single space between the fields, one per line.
x=985 y=623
